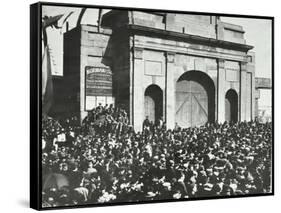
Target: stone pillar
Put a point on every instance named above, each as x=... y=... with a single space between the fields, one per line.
x=257 y=96
x=253 y=90
x=219 y=30
x=138 y=93
x=131 y=80
x=251 y=68
x=170 y=90
x=221 y=92
x=243 y=90
x=83 y=64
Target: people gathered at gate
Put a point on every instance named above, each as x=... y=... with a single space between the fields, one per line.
x=105 y=160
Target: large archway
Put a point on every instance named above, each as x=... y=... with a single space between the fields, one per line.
x=231 y=106
x=195 y=99
x=153 y=102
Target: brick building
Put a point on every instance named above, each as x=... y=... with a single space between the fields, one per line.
x=188 y=69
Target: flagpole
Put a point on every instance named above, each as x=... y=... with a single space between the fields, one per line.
x=99 y=19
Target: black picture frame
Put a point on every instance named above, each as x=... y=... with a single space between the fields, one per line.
x=36 y=103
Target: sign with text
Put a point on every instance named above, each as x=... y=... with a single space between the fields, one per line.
x=98 y=81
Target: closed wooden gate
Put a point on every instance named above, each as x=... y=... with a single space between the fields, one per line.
x=192 y=101
x=149 y=108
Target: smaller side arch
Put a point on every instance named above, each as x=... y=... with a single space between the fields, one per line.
x=153 y=103
x=231 y=106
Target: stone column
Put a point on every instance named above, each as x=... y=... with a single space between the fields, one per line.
x=137 y=90
x=251 y=68
x=257 y=96
x=219 y=30
x=243 y=90
x=170 y=90
x=83 y=64
x=253 y=97
x=221 y=91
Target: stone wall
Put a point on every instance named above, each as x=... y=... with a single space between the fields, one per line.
x=68 y=92
x=149 y=69
x=85 y=46
x=138 y=59
x=192 y=24
x=233 y=33
x=200 y=25
x=121 y=68
x=185 y=47
x=96 y=51
x=154 y=20
x=228 y=68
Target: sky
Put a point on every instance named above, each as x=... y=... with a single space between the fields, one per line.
x=257 y=34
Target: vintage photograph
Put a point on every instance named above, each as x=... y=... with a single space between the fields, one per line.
x=142 y=105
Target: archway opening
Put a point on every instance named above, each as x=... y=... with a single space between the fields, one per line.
x=195 y=99
x=153 y=103
x=231 y=106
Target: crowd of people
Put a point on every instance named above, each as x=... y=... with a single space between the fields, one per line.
x=105 y=160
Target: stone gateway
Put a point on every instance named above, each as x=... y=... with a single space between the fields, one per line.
x=182 y=68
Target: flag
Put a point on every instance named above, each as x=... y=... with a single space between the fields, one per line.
x=47 y=84
x=51 y=21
